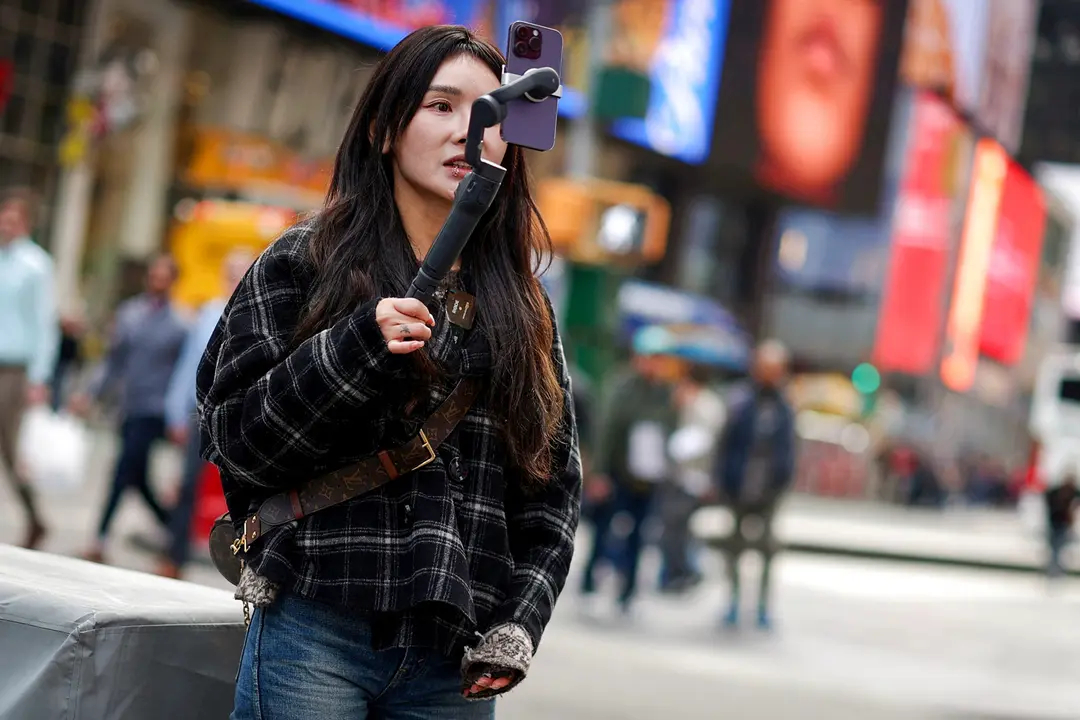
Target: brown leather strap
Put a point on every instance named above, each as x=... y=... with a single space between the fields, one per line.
x=368 y=474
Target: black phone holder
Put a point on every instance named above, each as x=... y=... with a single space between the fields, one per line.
x=477 y=190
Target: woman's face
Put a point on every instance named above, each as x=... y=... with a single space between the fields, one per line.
x=429 y=159
x=815 y=81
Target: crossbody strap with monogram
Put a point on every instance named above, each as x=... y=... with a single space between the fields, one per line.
x=363 y=477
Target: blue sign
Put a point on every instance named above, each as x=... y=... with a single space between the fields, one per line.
x=363 y=28
x=685 y=79
x=341 y=19
x=688 y=325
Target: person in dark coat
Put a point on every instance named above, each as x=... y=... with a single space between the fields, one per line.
x=631 y=461
x=755 y=468
x=1060 y=512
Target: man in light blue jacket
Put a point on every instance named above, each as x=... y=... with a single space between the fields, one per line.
x=29 y=336
x=181 y=417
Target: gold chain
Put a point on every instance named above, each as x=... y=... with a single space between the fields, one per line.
x=247 y=608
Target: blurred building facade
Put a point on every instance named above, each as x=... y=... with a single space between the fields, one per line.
x=39 y=50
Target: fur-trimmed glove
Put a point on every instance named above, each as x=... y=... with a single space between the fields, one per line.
x=505 y=651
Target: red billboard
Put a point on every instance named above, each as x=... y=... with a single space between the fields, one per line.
x=1014 y=268
x=914 y=298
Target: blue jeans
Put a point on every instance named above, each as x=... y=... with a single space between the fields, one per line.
x=305 y=660
x=637 y=505
x=137 y=438
x=182 y=514
x=1058 y=540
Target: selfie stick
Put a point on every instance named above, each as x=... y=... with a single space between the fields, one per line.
x=477 y=191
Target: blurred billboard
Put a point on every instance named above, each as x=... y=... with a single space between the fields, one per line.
x=977 y=53
x=806 y=97
x=380 y=23
x=922 y=232
x=685 y=77
x=945 y=49
x=1007 y=69
x=1014 y=268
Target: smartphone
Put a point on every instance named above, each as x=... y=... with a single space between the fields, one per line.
x=527 y=123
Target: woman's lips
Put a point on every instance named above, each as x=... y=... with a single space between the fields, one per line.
x=458 y=170
x=821 y=50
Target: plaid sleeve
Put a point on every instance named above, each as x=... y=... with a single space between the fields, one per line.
x=542 y=525
x=269 y=409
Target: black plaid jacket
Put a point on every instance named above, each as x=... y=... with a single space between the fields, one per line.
x=437 y=555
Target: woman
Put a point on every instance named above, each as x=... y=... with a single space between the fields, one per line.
x=434 y=588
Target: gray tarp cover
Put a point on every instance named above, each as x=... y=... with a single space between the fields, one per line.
x=80 y=641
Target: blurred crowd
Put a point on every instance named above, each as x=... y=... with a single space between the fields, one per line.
x=663 y=444
x=909 y=476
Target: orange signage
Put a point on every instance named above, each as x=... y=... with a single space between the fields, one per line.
x=227 y=159
x=965 y=315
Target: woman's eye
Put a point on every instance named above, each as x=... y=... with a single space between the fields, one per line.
x=441 y=106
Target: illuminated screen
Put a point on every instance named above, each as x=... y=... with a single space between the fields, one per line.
x=806 y=98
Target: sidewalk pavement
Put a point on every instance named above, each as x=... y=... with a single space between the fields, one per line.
x=978 y=538
x=988 y=539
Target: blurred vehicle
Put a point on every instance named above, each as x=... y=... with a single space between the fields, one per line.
x=1055 y=415
x=205 y=232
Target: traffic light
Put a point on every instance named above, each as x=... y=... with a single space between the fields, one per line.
x=867 y=380
x=603 y=222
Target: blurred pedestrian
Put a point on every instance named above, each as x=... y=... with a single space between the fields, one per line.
x=424 y=465
x=28 y=339
x=182 y=422
x=631 y=459
x=145 y=344
x=925 y=488
x=594 y=489
x=1060 y=514
x=756 y=466
x=69 y=358
x=693 y=451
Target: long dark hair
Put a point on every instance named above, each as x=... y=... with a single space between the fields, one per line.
x=360 y=250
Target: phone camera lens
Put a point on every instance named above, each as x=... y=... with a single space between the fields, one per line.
x=521 y=49
x=523 y=32
x=535 y=43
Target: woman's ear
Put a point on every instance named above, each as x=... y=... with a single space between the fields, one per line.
x=371 y=139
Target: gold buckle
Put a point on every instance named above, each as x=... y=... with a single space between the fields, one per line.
x=241 y=543
x=431 y=453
